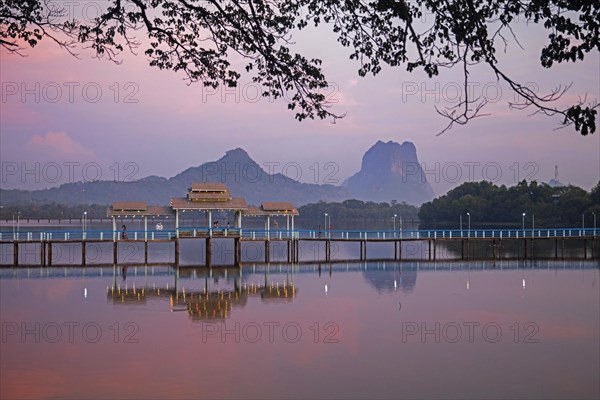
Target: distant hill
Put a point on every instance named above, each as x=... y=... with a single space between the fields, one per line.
x=390 y=171
x=243 y=175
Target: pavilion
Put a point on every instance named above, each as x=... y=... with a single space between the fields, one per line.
x=209 y=197
x=270 y=209
x=206 y=197
x=135 y=209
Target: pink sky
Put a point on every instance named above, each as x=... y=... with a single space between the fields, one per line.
x=57 y=109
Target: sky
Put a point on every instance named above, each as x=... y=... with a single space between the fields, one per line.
x=66 y=119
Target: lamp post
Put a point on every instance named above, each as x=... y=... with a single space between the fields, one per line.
x=524 y=224
x=594 y=214
x=461 y=224
x=84 y=221
x=394 y=222
x=469 y=225
x=532 y=225
x=15 y=225
x=328 y=233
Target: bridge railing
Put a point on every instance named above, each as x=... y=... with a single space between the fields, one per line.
x=423 y=234
x=91 y=234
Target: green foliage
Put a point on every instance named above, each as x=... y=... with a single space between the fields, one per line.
x=52 y=211
x=488 y=203
x=350 y=213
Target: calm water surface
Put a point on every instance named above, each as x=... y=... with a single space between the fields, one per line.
x=375 y=330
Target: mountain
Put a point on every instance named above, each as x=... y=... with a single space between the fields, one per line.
x=390 y=171
x=247 y=179
x=243 y=175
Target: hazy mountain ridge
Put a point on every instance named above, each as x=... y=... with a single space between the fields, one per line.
x=244 y=176
x=247 y=179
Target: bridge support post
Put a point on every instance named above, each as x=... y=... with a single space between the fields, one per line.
x=115 y=251
x=289 y=249
x=83 y=253
x=555 y=249
x=42 y=253
x=429 y=249
x=15 y=253
x=145 y=252
x=363 y=250
x=267 y=251
x=462 y=249
x=327 y=250
x=562 y=249
x=525 y=246
x=584 y=249
x=49 y=253
x=208 y=252
x=237 y=251
x=395 y=250
x=434 y=249
x=177 y=251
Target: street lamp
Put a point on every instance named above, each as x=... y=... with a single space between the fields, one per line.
x=532 y=225
x=395 y=215
x=524 y=224
x=461 y=224
x=594 y=214
x=327 y=226
x=84 y=224
x=469 y=225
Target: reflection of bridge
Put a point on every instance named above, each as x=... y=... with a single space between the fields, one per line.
x=525 y=239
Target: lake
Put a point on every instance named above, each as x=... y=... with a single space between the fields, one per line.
x=504 y=329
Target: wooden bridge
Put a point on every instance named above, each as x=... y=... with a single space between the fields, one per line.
x=588 y=238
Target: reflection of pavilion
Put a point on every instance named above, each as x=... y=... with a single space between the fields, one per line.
x=203 y=304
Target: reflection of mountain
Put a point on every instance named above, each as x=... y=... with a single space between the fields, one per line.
x=383 y=281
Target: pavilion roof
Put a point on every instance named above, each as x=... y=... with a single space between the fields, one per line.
x=129 y=206
x=136 y=208
x=233 y=204
x=269 y=208
x=208 y=187
x=209 y=196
